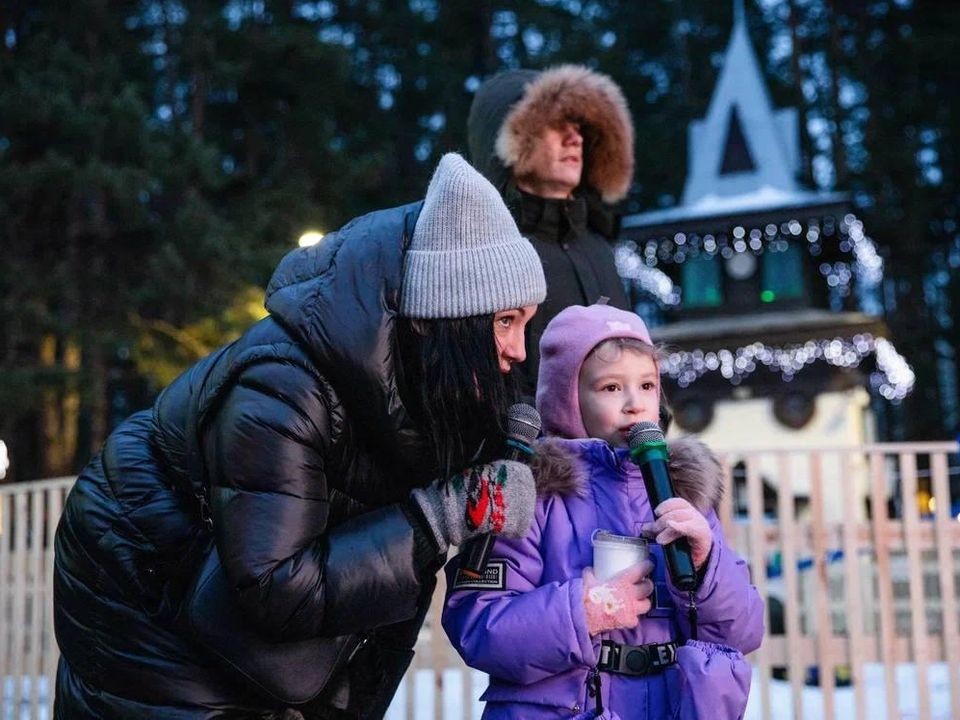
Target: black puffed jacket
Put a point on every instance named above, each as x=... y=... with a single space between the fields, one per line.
x=578 y=263
x=310 y=459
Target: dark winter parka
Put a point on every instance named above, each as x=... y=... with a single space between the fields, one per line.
x=572 y=237
x=309 y=455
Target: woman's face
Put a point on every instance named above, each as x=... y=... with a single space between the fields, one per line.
x=508 y=327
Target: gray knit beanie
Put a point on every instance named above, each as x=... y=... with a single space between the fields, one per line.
x=467 y=256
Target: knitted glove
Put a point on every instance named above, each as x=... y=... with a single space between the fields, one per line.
x=498 y=497
x=678 y=518
x=620 y=601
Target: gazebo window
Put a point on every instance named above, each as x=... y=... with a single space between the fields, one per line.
x=736 y=151
x=701 y=282
x=782 y=275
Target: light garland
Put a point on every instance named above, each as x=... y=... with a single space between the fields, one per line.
x=650 y=279
x=894 y=378
x=865 y=263
x=869 y=264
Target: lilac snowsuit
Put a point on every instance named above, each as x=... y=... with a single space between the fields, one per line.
x=528 y=630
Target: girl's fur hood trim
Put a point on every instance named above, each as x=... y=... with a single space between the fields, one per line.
x=695 y=471
x=574 y=91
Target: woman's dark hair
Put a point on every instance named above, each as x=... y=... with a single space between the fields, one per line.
x=450 y=380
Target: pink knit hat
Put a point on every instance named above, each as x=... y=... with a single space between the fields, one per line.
x=564 y=345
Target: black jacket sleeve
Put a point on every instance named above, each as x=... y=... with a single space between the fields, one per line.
x=296 y=577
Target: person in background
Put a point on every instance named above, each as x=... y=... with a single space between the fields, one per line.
x=320 y=465
x=558 y=145
x=621 y=643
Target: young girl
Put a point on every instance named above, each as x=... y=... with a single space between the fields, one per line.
x=557 y=642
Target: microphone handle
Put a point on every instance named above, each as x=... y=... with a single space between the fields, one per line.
x=476 y=555
x=477 y=551
x=677 y=554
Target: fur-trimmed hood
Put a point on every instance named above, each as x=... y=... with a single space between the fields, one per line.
x=695 y=471
x=510 y=109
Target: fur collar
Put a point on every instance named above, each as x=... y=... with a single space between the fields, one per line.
x=578 y=92
x=694 y=469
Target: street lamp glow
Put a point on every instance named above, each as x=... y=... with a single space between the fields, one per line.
x=311 y=237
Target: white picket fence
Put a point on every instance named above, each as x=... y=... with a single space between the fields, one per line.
x=863 y=599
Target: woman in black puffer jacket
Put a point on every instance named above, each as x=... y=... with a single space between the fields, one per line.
x=308 y=454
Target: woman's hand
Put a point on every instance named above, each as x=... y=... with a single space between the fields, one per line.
x=620 y=601
x=677 y=518
x=498 y=497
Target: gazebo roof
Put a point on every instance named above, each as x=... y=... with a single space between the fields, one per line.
x=764 y=201
x=743 y=155
x=785 y=327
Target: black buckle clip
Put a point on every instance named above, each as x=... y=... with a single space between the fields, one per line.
x=636 y=659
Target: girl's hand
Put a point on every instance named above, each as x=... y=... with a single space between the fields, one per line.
x=677 y=518
x=620 y=601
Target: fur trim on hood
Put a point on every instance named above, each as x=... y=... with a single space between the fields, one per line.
x=695 y=471
x=556 y=470
x=521 y=103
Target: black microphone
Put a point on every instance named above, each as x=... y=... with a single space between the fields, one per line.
x=649 y=451
x=523 y=427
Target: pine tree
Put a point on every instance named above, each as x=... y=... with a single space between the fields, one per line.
x=106 y=214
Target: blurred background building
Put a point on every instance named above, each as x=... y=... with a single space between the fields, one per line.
x=766 y=293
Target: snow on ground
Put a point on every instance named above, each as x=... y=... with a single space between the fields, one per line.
x=452 y=706
x=420 y=699
x=843 y=700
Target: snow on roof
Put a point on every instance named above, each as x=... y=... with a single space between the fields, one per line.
x=743 y=155
x=762 y=199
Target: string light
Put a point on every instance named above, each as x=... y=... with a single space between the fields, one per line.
x=650 y=279
x=863 y=264
x=893 y=378
x=869 y=264
x=640 y=261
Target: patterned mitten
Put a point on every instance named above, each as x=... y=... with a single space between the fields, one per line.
x=498 y=497
x=620 y=601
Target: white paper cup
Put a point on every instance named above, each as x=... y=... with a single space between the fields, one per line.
x=613 y=553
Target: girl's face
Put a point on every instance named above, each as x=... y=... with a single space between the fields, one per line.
x=616 y=394
x=508 y=327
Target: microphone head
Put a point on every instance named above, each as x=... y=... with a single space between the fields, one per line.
x=523 y=423
x=643 y=433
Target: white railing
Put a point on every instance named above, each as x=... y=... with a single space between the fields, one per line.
x=878 y=591
x=29 y=513
x=862 y=598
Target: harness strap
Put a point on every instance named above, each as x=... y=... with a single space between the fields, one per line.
x=692 y=614
x=636 y=659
